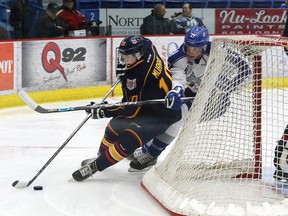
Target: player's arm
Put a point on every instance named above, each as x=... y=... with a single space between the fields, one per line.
x=218 y=101
x=173 y=98
x=229 y=83
x=178 y=77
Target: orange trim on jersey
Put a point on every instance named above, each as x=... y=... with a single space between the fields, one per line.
x=111 y=129
x=151 y=65
x=135 y=135
x=135 y=113
x=114 y=153
x=167 y=73
x=115 y=109
x=106 y=143
x=134 y=65
x=149 y=71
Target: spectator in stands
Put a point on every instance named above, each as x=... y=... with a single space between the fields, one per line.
x=48 y=25
x=155 y=23
x=284 y=5
x=69 y=13
x=184 y=21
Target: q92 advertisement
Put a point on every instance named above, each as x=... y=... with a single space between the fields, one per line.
x=49 y=65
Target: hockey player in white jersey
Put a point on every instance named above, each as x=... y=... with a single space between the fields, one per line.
x=188 y=64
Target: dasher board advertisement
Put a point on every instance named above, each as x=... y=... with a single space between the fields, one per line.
x=7 y=66
x=66 y=63
x=128 y=21
x=256 y=21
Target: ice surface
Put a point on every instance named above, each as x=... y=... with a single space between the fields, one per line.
x=29 y=139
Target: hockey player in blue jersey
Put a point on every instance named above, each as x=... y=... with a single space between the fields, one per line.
x=144 y=77
x=188 y=64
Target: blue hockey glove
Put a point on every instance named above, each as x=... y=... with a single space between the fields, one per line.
x=173 y=98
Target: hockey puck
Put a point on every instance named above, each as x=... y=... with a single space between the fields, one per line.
x=38 y=188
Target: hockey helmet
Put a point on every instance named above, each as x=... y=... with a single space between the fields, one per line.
x=133 y=45
x=197 y=36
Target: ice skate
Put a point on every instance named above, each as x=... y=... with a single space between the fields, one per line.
x=135 y=154
x=85 y=171
x=142 y=163
x=87 y=161
x=90 y=160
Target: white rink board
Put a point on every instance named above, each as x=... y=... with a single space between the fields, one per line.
x=80 y=60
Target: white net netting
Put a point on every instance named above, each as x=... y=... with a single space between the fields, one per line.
x=222 y=160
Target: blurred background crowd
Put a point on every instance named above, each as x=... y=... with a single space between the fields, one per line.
x=21 y=19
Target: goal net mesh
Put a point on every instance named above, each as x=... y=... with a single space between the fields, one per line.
x=222 y=161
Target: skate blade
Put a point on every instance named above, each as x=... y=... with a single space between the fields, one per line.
x=139 y=170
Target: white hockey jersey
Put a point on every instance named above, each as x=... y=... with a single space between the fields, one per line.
x=187 y=73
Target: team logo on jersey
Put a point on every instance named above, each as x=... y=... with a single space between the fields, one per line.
x=131 y=84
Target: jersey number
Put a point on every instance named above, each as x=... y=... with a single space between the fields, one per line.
x=163 y=85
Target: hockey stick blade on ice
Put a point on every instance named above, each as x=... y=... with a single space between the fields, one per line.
x=33 y=105
x=19 y=184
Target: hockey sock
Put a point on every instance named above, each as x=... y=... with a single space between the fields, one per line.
x=157 y=147
x=146 y=146
x=108 y=140
x=126 y=144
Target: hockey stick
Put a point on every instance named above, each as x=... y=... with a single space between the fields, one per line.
x=20 y=184
x=33 y=105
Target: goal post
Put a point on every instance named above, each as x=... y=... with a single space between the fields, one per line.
x=222 y=161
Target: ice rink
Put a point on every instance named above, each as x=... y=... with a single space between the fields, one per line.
x=29 y=139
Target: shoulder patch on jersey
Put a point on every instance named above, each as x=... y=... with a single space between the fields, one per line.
x=131 y=84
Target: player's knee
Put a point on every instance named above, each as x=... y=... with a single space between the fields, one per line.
x=110 y=134
x=128 y=142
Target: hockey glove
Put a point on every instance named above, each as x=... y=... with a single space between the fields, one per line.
x=173 y=98
x=97 y=113
x=121 y=70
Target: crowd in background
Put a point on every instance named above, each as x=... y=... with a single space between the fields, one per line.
x=56 y=21
x=180 y=23
x=62 y=20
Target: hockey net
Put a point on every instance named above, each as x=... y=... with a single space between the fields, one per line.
x=222 y=160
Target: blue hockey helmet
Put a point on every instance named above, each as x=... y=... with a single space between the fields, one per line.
x=197 y=36
x=133 y=45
